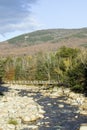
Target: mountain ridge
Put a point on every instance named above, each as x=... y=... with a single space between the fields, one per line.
x=44 y=40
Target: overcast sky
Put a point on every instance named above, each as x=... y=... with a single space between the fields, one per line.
x=22 y=16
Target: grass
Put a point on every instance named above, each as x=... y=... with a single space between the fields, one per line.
x=12 y=121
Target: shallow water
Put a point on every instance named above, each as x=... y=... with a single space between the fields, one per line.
x=58 y=114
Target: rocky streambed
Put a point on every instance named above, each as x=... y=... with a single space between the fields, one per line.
x=33 y=108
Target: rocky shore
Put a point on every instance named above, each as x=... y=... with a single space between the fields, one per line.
x=18 y=111
x=35 y=108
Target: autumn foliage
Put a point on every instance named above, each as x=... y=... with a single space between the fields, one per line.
x=67 y=66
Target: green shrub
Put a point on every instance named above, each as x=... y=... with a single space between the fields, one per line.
x=67 y=52
x=12 y=121
x=77 y=88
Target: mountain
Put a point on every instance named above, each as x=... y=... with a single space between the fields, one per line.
x=44 y=40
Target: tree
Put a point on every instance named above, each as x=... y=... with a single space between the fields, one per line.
x=66 y=52
x=9 y=68
x=2 y=71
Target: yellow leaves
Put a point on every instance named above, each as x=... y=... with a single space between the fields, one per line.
x=9 y=75
x=29 y=57
x=67 y=62
x=58 y=71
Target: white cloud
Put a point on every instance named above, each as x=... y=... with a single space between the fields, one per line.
x=15 y=15
x=16 y=18
x=26 y=24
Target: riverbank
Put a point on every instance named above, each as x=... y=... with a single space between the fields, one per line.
x=33 y=108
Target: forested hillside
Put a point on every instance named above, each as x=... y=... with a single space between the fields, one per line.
x=44 y=41
x=50 y=35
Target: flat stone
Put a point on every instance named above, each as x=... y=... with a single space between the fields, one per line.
x=41 y=111
x=49 y=104
x=34 y=118
x=60 y=105
x=41 y=116
x=33 y=127
x=55 y=89
x=10 y=126
x=83 y=113
x=26 y=119
x=2 y=104
x=83 y=127
x=30 y=127
x=84 y=106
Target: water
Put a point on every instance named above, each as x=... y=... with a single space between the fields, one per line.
x=57 y=117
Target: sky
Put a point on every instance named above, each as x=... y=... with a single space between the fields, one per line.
x=22 y=16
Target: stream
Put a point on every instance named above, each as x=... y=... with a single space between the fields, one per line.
x=58 y=114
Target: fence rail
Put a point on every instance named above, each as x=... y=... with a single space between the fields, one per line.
x=31 y=82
